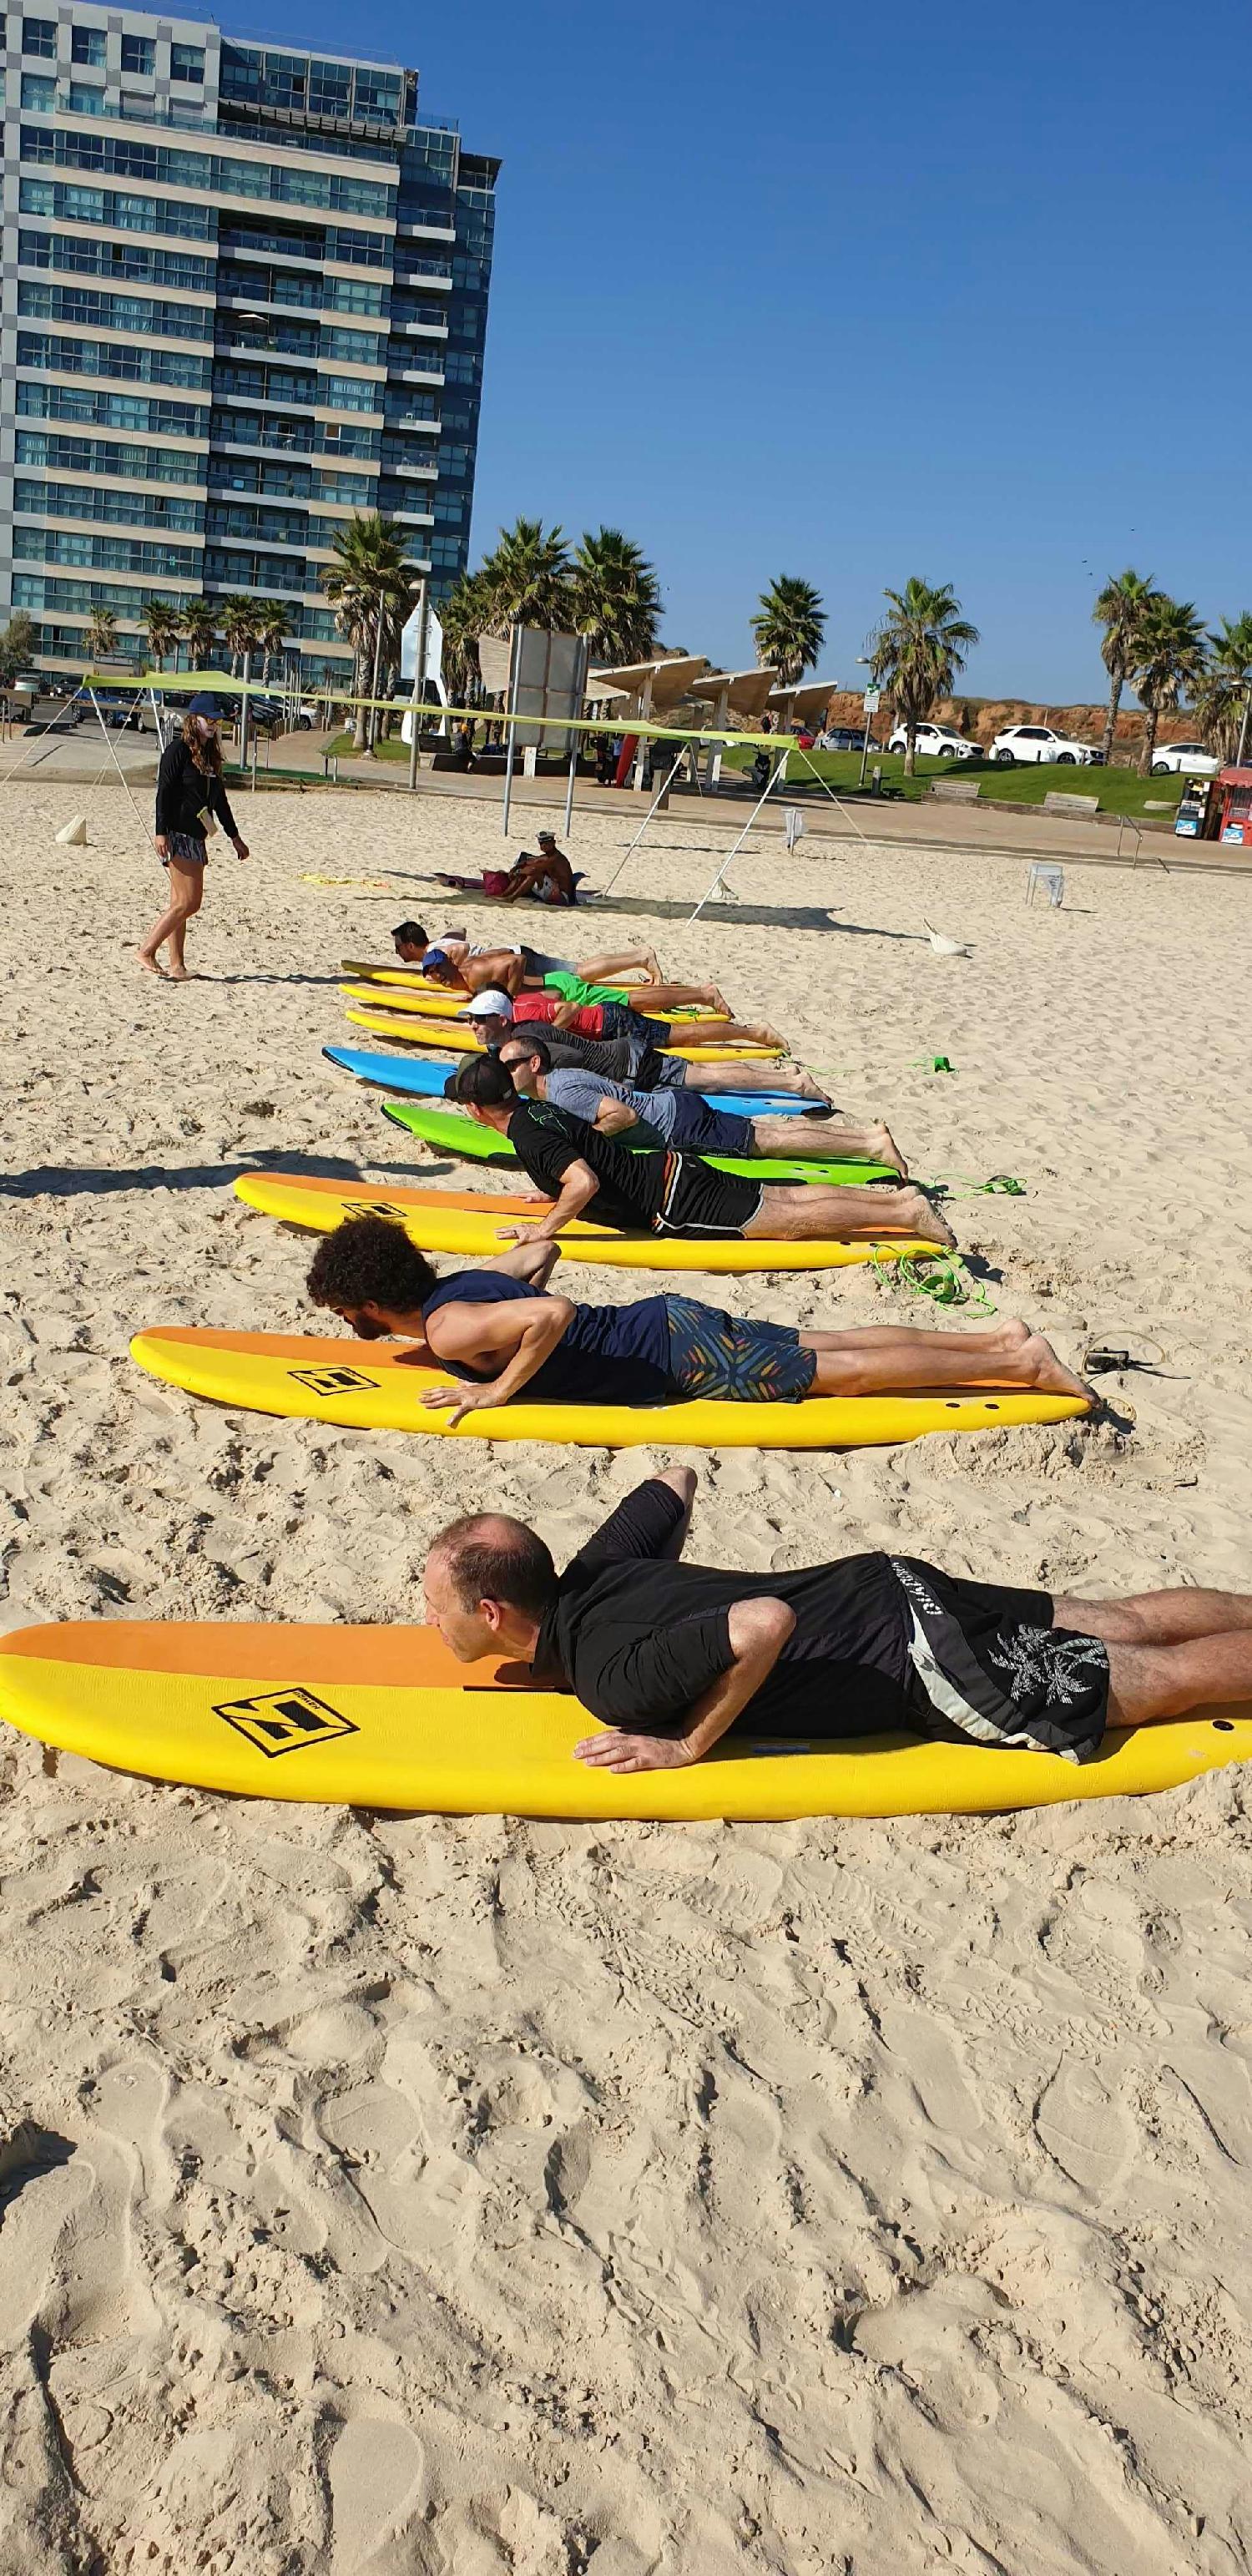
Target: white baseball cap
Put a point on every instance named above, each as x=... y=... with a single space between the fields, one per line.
x=490 y=1006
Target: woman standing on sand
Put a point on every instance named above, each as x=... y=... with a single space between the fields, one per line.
x=190 y=800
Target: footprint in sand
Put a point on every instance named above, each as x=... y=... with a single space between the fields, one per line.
x=1084 y=2128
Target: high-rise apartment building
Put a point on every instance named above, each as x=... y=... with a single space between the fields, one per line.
x=244 y=295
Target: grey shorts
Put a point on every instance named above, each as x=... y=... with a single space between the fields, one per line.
x=186 y=850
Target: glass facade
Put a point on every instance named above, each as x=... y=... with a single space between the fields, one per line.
x=238 y=304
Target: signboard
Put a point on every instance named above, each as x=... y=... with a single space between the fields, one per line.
x=549 y=679
x=871 y=701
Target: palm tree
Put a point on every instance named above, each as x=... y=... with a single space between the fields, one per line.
x=1120 y=610
x=164 y=626
x=526 y=579
x=790 y=627
x=1170 y=656
x=271 y=633
x=616 y=597
x=369 y=586
x=921 y=647
x=99 y=635
x=239 y=618
x=463 y=617
x=1222 y=696
x=200 y=630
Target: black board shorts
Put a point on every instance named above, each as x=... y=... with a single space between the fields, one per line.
x=697 y=1201
x=988 y=1664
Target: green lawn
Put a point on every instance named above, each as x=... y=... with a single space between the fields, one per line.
x=341 y=749
x=1116 y=791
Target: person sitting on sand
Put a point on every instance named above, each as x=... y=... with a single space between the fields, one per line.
x=544 y=873
x=587 y=1175
x=499 y=1330
x=667 y=1656
x=684 y=1119
x=617 y=1019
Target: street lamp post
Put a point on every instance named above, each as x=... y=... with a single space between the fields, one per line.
x=865 y=663
x=419 y=671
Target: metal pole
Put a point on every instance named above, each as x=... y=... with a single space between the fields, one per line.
x=512 y=731
x=736 y=846
x=419 y=677
x=243 y=721
x=631 y=846
x=865 y=748
x=1243 y=729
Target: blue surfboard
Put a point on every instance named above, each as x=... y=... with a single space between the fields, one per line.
x=400 y=1073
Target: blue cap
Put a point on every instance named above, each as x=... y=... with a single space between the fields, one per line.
x=434 y=957
x=204 y=705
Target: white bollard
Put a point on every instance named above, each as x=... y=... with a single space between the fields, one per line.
x=73 y=835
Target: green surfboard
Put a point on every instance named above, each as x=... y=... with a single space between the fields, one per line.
x=456 y=1134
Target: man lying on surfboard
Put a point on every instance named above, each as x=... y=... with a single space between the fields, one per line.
x=684 y=1118
x=635 y=1059
x=587 y=1174
x=667 y=1655
x=614 y=1019
x=451 y=960
x=497 y=1331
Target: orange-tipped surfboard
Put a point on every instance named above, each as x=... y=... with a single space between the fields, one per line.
x=378 y=1717
x=371 y=1386
x=477 y=1222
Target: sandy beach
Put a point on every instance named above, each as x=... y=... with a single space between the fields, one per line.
x=428 y=2197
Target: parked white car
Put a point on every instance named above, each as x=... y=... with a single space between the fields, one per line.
x=1170 y=757
x=1039 y=742
x=938 y=742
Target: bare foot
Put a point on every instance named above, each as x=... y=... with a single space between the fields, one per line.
x=919 y=1215
x=719 y=1003
x=791 y=1077
x=886 y=1149
x=145 y=959
x=177 y=975
x=1013 y=1334
x=1049 y=1374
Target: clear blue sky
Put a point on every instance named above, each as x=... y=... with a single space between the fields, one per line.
x=863 y=294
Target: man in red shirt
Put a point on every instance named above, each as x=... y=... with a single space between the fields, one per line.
x=616 y=1019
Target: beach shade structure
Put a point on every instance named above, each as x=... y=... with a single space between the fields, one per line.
x=647 y=692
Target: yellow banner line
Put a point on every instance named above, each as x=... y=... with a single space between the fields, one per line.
x=639 y=727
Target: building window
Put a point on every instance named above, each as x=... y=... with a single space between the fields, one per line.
x=86 y=99
x=87 y=46
x=139 y=56
x=39 y=39
x=187 y=62
x=38 y=93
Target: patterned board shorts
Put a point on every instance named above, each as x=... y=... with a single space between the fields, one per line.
x=988 y=1664
x=715 y=1354
x=186 y=849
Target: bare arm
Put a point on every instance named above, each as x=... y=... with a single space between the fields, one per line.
x=758 y=1632
x=578 y=1189
x=613 y=1117
x=531 y=1261
x=521 y=1335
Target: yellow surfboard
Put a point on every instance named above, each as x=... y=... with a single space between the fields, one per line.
x=370 y=1386
x=474 y=1221
x=435 y=1001
x=378 y=1717
x=416 y=1029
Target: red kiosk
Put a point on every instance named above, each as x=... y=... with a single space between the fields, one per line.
x=1234 y=803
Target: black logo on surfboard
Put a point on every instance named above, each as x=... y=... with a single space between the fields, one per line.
x=331 y=1381
x=378 y=1207
x=284 y=1721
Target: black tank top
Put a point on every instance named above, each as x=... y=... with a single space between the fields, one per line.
x=609 y=1355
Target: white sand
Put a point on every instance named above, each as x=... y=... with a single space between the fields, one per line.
x=420 y=2196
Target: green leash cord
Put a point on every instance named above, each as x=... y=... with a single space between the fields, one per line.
x=941 y=1276
x=1000 y=1185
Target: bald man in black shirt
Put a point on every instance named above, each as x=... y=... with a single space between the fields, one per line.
x=667 y=1655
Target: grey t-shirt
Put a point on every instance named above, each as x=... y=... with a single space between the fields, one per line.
x=582 y=1093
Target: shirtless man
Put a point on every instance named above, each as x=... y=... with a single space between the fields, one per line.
x=499 y=1330
x=666 y=1656
x=513 y=970
x=674 y=1194
x=684 y=1119
x=635 y=1058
